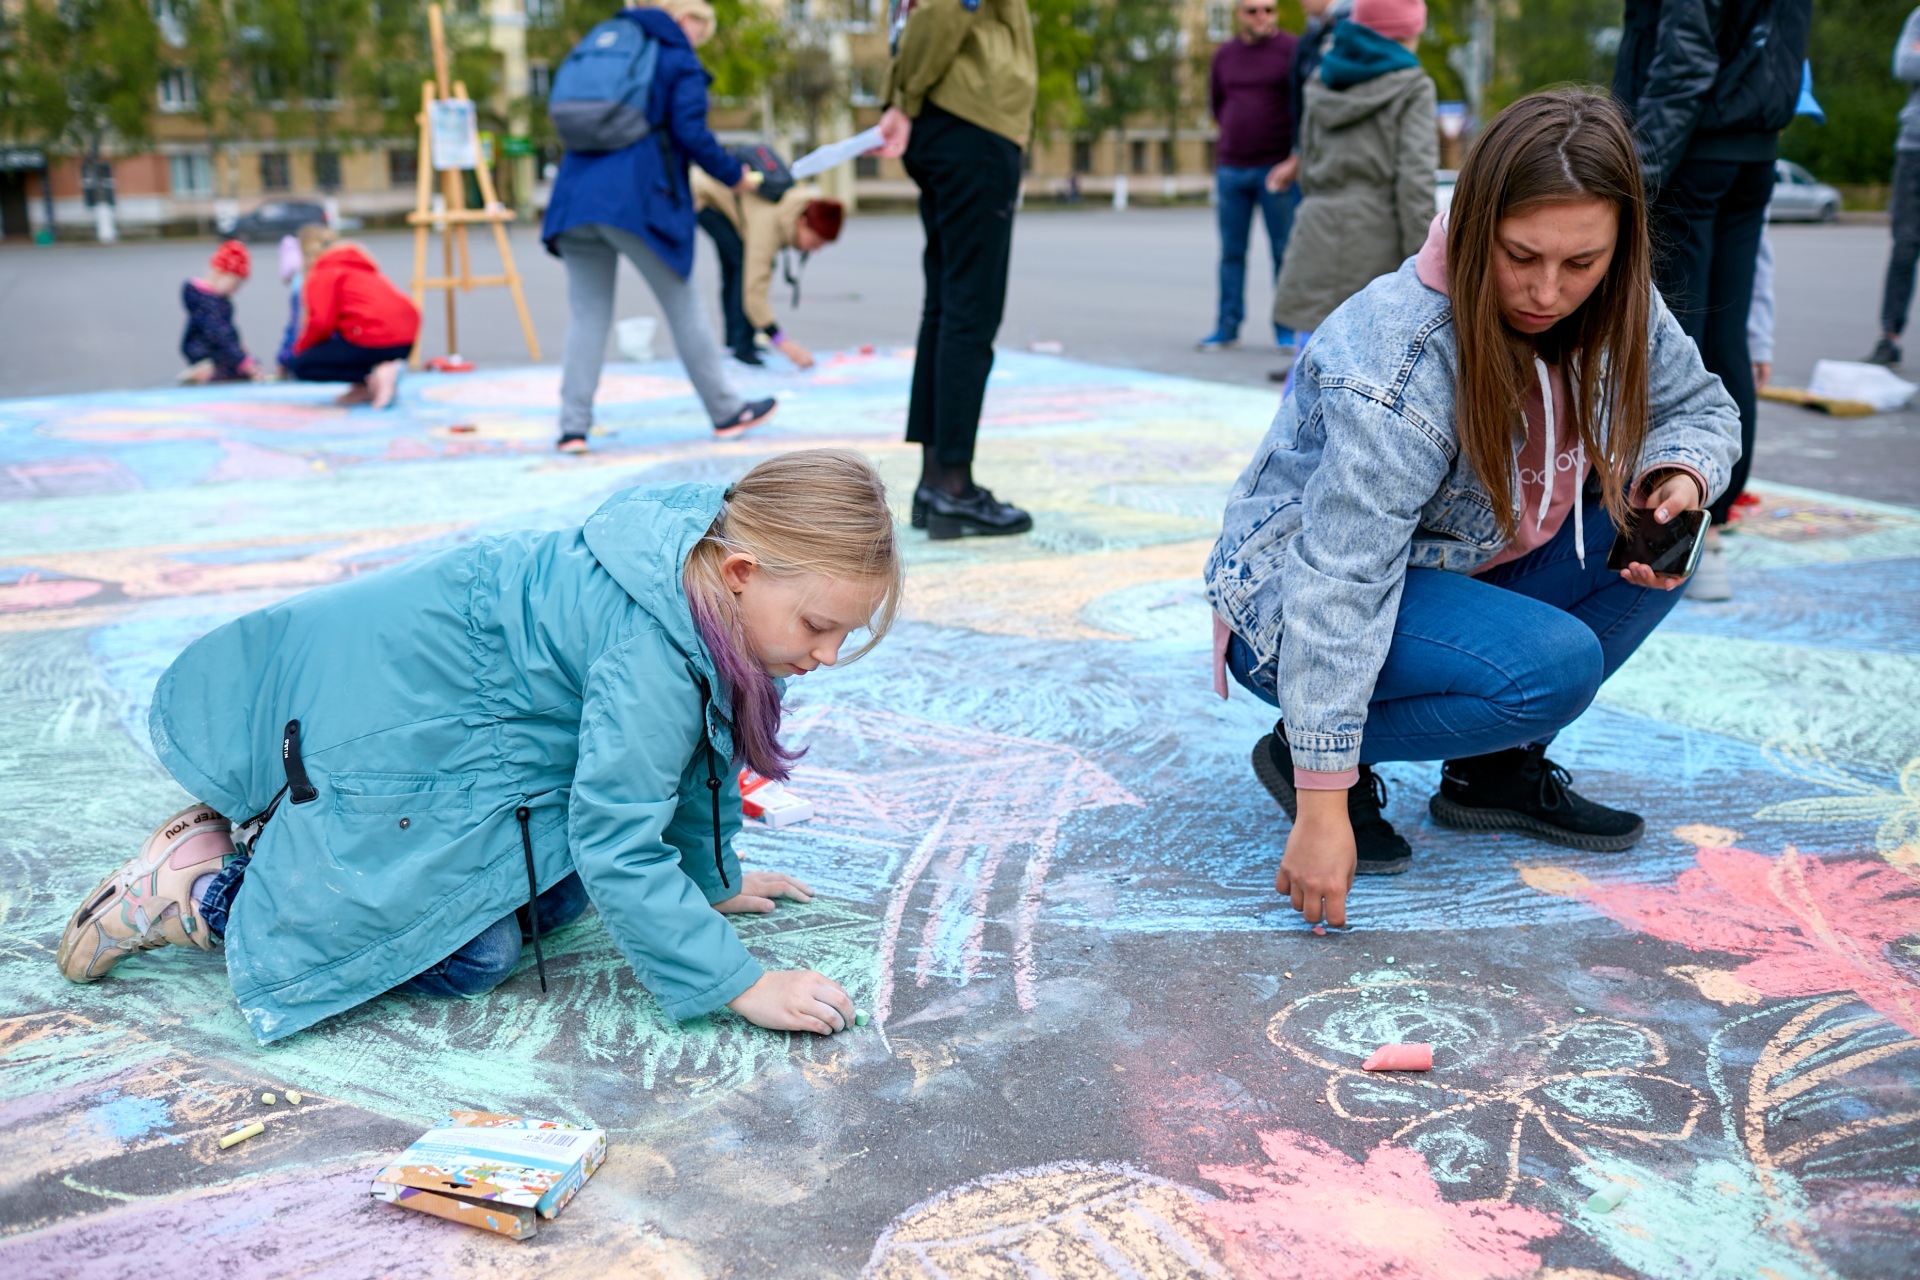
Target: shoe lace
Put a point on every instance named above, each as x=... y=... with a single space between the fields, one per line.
x=1555 y=783
x=1371 y=788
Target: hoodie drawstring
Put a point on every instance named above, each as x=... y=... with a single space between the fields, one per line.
x=525 y=815
x=1550 y=470
x=713 y=779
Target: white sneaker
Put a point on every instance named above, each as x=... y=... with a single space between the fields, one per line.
x=1710 y=582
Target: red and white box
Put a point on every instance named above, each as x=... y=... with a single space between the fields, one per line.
x=770 y=801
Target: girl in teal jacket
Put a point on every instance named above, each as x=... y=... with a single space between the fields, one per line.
x=391 y=768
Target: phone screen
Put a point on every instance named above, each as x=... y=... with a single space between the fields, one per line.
x=1671 y=548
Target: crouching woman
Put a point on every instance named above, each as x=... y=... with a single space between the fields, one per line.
x=392 y=770
x=1413 y=566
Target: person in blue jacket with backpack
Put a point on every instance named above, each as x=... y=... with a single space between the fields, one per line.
x=634 y=201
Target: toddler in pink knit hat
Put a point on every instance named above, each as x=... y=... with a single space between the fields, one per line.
x=1401 y=20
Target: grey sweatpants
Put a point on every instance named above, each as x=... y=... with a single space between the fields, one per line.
x=592 y=254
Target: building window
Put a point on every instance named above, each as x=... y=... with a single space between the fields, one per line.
x=866 y=166
x=1137 y=157
x=799 y=10
x=539 y=80
x=1169 y=156
x=326 y=170
x=861 y=14
x=1219 y=23
x=403 y=167
x=542 y=12
x=191 y=174
x=865 y=88
x=273 y=171
x=176 y=89
x=1082 y=155
x=168 y=21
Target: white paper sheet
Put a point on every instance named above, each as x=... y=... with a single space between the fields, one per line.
x=821 y=159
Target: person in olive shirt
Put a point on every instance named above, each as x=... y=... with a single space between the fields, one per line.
x=959 y=97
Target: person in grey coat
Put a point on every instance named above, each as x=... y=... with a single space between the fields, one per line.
x=1368 y=150
x=1898 y=292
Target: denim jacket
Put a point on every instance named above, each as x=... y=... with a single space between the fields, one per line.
x=1360 y=478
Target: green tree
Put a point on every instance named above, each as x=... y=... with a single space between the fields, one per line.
x=1062 y=47
x=1852 y=55
x=1133 y=65
x=86 y=73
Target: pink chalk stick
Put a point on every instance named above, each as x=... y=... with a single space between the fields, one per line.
x=1400 y=1057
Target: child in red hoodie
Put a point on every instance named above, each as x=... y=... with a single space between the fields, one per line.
x=359 y=327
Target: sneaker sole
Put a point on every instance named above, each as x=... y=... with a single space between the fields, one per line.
x=731 y=430
x=84 y=923
x=1461 y=818
x=947 y=528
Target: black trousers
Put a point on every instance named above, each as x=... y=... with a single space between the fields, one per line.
x=969 y=180
x=337 y=360
x=732 y=252
x=1898 y=295
x=1706 y=225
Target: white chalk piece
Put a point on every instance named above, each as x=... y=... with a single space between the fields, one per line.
x=821 y=159
x=253 y=1130
x=1607 y=1199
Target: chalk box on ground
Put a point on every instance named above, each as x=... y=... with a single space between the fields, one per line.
x=770 y=801
x=494 y=1172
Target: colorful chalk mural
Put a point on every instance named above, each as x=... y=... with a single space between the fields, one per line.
x=1099 y=1046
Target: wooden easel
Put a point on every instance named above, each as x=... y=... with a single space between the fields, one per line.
x=454 y=220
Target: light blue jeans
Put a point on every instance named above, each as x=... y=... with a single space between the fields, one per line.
x=1505 y=659
x=1239 y=190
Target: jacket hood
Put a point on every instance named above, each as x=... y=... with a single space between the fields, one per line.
x=659 y=24
x=1430 y=264
x=642 y=537
x=347 y=256
x=1360 y=55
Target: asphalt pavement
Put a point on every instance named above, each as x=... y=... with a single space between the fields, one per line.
x=1133 y=289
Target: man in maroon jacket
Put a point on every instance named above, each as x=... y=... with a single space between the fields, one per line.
x=1251 y=89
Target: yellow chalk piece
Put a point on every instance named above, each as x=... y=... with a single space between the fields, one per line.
x=293 y=1097
x=253 y=1130
x=268 y=1098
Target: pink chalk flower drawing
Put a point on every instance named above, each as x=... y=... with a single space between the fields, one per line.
x=1509 y=1082
x=1313 y=1211
x=1809 y=926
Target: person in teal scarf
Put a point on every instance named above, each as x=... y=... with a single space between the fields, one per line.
x=1367 y=153
x=400 y=775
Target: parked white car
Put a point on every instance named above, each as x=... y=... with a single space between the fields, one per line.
x=1800 y=197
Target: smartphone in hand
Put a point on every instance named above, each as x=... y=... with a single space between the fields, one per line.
x=1671 y=549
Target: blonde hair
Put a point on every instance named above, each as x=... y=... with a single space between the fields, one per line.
x=315 y=239
x=814 y=511
x=678 y=9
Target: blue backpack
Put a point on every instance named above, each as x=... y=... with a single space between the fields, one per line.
x=599 y=97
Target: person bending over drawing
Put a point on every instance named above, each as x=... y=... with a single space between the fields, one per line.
x=534 y=718
x=1413 y=566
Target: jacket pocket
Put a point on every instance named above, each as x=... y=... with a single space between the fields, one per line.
x=446 y=796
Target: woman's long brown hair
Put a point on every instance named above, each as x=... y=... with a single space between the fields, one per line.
x=1555 y=147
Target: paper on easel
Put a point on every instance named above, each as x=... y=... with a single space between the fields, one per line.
x=455 y=134
x=821 y=159
x=770 y=801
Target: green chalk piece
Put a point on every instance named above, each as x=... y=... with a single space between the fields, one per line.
x=1578 y=1009
x=859 y=1019
x=1607 y=1199
x=1389 y=959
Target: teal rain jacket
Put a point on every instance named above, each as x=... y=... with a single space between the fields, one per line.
x=560 y=672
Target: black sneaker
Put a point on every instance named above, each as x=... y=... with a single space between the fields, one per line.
x=752 y=414
x=978 y=514
x=920 y=507
x=1521 y=790
x=748 y=355
x=1886 y=352
x=1379 y=849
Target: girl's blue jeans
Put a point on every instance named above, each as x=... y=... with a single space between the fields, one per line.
x=1505 y=659
x=474 y=969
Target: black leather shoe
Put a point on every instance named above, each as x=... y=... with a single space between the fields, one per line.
x=1885 y=352
x=920 y=507
x=978 y=515
x=1379 y=850
x=1521 y=790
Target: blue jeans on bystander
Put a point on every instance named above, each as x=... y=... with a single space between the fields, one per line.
x=1505 y=659
x=1238 y=191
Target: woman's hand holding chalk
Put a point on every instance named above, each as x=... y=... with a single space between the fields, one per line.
x=1400 y=1057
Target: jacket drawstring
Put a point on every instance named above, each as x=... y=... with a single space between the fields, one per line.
x=1550 y=472
x=533 y=894
x=713 y=779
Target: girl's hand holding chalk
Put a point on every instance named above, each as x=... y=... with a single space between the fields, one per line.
x=758 y=889
x=795 y=1000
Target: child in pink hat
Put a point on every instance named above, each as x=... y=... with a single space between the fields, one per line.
x=211 y=343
